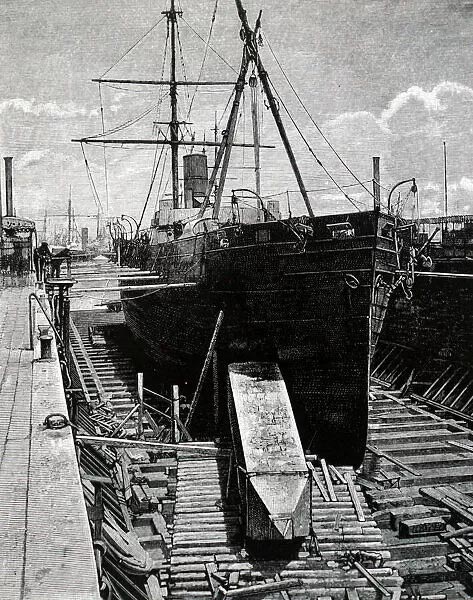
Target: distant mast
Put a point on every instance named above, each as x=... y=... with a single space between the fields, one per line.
x=69 y=216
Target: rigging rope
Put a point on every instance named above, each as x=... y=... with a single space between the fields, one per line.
x=150 y=187
x=210 y=47
x=313 y=121
x=183 y=64
x=158 y=112
x=309 y=147
x=91 y=181
x=104 y=152
x=207 y=44
x=133 y=46
x=324 y=189
x=128 y=123
x=158 y=195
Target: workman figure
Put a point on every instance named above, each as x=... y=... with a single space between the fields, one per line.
x=57 y=260
x=42 y=258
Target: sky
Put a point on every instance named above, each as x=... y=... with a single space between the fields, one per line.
x=388 y=78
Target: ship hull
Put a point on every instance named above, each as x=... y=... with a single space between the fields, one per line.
x=437 y=323
x=309 y=304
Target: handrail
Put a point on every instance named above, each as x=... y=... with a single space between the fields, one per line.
x=180 y=424
x=30 y=299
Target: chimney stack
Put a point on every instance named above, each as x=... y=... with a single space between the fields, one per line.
x=9 y=186
x=376 y=181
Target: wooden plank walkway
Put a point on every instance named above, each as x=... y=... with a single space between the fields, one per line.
x=44 y=532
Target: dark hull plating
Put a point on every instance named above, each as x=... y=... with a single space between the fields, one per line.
x=437 y=324
x=315 y=306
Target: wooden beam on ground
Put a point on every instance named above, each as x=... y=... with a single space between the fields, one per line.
x=390 y=458
x=328 y=480
x=95 y=440
x=372 y=579
x=137 y=288
x=318 y=483
x=260 y=588
x=354 y=497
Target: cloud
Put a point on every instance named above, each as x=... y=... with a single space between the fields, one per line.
x=466 y=183
x=44 y=157
x=31 y=158
x=49 y=109
x=430 y=101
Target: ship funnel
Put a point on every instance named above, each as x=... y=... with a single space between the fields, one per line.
x=195 y=179
x=272 y=471
x=9 y=186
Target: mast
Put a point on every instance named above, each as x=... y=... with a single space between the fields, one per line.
x=254 y=118
x=445 y=193
x=226 y=147
x=174 y=123
x=250 y=44
x=45 y=224
x=69 y=216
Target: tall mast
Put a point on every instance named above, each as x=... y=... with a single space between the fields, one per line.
x=45 y=224
x=250 y=44
x=69 y=216
x=174 y=123
x=254 y=118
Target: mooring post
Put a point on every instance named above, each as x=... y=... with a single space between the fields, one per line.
x=140 y=400
x=175 y=433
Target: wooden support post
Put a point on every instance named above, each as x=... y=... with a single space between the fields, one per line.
x=96 y=516
x=229 y=476
x=205 y=368
x=140 y=402
x=127 y=418
x=66 y=317
x=215 y=390
x=175 y=433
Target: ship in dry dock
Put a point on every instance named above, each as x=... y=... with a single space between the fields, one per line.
x=308 y=293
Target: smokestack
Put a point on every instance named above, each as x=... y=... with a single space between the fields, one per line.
x=9 y=186
x=376 y=181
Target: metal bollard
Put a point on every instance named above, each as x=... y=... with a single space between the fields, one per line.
x=45 y=341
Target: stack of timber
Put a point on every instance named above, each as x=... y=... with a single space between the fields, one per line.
x=208 y=546
x=415 y=460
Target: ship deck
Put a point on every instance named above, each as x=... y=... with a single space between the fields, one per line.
x=45 y=536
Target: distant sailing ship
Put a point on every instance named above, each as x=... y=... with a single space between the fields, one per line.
x=307 y=292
